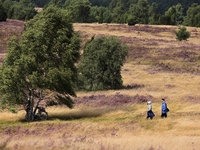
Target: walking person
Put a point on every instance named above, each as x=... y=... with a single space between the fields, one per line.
x=150 y=113
x=164 y=109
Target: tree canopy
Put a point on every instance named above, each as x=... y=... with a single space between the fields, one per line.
x=44 y=58
x=193 y=15
x=100 y=67
x=79 y=10
x=3 y=14
x=22 y=10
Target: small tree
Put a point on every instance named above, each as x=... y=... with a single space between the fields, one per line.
x=182 y=34
x=100 y=67
x=44 y=58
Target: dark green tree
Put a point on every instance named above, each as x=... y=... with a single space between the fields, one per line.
x=100 y=18
x=164 y=5
x=140 y=11
x=79 y=10
x=7 y=4
x=43 y=58
x=132 y=20
x=192 y=17
x=153 y=14
x=100 y=3
x=118 y=13
x=56 y=3
x=3 y=14
x=125 y=3
x=107 y=16
x=22 y=10
x=40 y=3
x=182 y=34
x=100 y=67
x=179 y=14
x=173 y=16
x=97 y=14
x=197 y=20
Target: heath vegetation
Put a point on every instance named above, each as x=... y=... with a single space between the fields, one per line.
x=158 y=66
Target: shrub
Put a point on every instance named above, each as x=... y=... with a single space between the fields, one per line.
x=100 y=67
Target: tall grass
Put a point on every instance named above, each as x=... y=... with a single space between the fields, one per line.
x=124 y=128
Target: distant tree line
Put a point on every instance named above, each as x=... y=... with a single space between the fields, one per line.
x=132 y=12
x=164 y=5
x=20 y=10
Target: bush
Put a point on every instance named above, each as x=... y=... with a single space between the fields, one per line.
x=182 y=34
x=100 y=67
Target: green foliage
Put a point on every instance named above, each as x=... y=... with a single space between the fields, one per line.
x=192 y=17
x=171 y=12
x=100 y=67
x=56 y=3
x=100 y=3
x=173 y=16
x=164 y=5
x=141 y=11
x=11 y=85
x=3 y=14
x=107 y=16
x=132 y=20
x=153 y=14
x=179 y=14
x=7 y=4
x=22 y=10
x=44 y=59
x=118 y=13
x=79 y=10
x=100 y=18
x=97 y=14
x=182 y=34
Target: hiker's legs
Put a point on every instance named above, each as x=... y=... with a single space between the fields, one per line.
x=164 y=115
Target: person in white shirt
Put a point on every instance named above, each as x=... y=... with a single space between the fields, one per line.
x=150 y=113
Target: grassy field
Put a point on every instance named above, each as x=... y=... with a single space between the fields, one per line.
x=157 y=66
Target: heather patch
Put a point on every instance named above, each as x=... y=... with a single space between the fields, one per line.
x=117 y=100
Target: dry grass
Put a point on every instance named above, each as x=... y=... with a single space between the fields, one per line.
x=125 y=128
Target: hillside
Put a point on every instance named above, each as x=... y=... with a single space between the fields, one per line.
x=157 y=66
x=149 y=45
x=152 y=45
x=7 y=30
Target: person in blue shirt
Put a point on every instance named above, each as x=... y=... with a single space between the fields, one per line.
x=164 y=109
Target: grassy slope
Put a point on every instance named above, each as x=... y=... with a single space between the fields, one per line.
x=164 y=68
